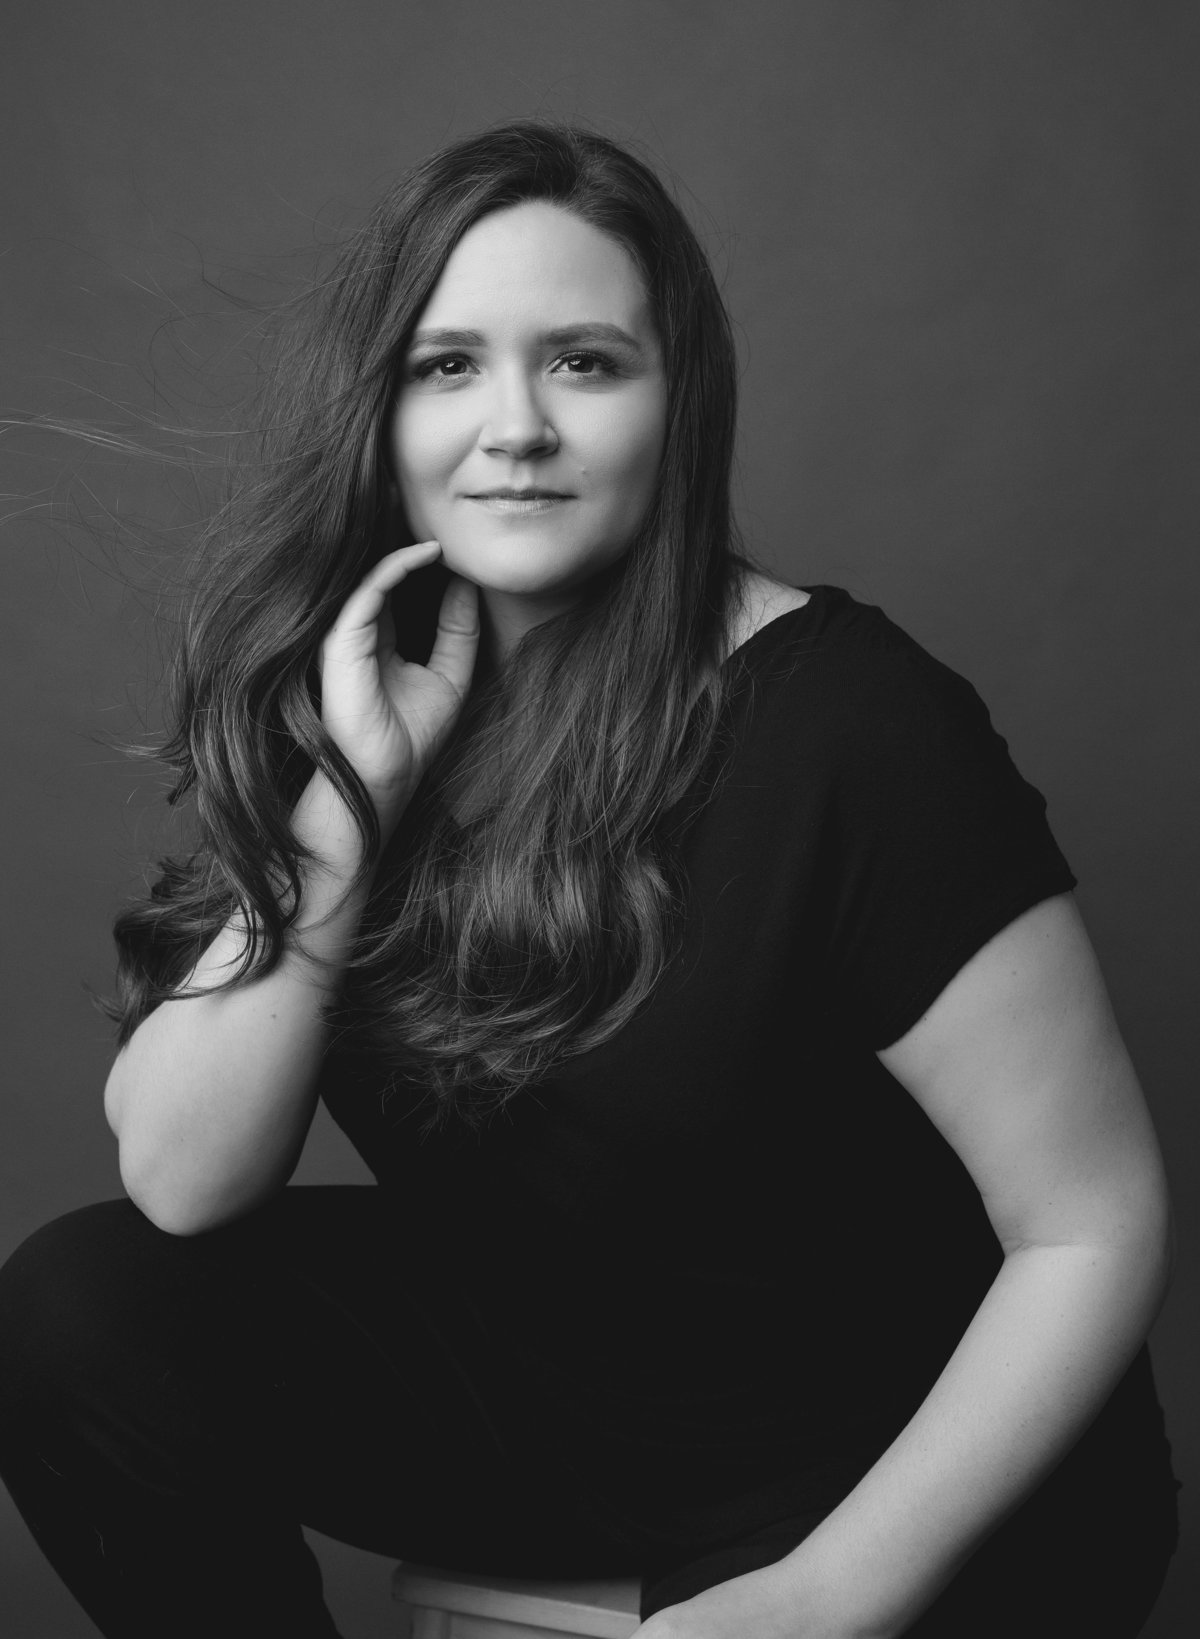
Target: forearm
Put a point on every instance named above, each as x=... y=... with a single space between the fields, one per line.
x=213 y=1095
x=1051 y=1339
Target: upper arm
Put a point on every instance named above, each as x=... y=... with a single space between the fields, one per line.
x=1020 y=1066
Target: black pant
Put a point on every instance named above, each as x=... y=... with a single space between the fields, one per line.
x=174 y=1408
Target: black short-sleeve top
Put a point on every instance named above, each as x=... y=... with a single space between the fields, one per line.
x=727 y=1236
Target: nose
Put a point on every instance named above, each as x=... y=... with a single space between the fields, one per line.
x=516 y=423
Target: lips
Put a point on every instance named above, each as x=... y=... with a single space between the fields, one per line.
x=519 y=495
x=519 y=503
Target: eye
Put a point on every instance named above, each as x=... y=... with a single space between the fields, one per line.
x=588 y=364
x=445 y=367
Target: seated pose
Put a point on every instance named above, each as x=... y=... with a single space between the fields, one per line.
x=766 y=1206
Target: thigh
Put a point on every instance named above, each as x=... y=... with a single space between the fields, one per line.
x=412 y=1442
x=307 y=1358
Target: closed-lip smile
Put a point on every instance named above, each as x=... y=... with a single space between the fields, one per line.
x=518 y=503
x=507 y=494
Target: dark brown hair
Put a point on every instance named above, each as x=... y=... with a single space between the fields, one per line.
x=490 y=950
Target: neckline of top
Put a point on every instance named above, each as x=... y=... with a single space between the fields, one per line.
x=818 y=597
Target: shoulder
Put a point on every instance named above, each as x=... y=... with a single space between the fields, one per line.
x=770 y=618
x=838 y=696
x=823 y=645
x=761 y=600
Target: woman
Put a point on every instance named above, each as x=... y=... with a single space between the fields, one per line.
x=767 y=1204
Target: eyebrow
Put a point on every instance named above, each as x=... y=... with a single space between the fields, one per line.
x=571 y=335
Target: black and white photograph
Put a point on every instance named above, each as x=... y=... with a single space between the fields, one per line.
x=602 y=773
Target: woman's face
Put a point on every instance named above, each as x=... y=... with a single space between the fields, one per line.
x=530 y=421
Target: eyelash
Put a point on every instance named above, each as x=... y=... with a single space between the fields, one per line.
x=607 y=368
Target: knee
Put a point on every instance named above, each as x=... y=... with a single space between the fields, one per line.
x=62 y=1294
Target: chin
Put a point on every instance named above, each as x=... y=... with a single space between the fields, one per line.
x=525 y=572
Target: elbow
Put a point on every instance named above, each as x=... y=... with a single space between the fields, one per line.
x=1141 y=1242
x=170 y=1178
x=1142 y=1237
x=1121 y=1236
x=180 y=1198
x=143 y=1176
x=168 y=1215
x=159 y=1198
x=114 y=1096
x=1168 y=1246
x=1153 y=1232
x=177 y=1212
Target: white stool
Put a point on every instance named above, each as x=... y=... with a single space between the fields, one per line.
x=456 y=1605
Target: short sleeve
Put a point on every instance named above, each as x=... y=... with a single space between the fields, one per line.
x=939 y=841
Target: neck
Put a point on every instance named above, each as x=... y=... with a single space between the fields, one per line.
x=505 y=618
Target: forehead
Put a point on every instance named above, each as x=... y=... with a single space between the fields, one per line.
x=539 y=263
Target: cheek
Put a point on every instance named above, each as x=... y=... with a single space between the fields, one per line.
x=424 y=451
x=628 y=443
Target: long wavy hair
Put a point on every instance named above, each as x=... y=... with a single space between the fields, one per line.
x=494 y=946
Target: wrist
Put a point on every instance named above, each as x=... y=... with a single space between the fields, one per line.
x=771 y=1603
x=333 y=879
x=324 y=823
x=335 y=882
x=389 y=802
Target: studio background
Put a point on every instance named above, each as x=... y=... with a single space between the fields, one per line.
x=959 y=241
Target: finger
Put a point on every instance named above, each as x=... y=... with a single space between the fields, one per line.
x=365 y=604
x=457 y=640
x=385 y=631
x=393 y=566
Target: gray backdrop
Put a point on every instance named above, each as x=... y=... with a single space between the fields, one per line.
x=959 y=241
